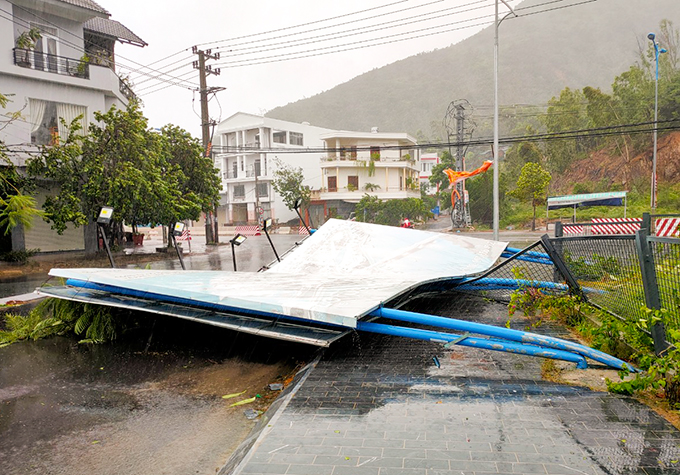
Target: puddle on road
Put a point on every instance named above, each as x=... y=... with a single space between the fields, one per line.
x=110 y=409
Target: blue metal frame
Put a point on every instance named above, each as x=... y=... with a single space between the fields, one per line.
x=524 y=338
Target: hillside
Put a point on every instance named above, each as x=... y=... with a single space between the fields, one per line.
x=539 y=55
x=611 y=167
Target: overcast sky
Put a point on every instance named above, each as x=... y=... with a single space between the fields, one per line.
x=174 y=26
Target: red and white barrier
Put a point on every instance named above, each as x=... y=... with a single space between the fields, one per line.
x=568 y=229
x=248 y=230
x=615 y=225
x=667 y=227
x=303 y=231
x=186 y=235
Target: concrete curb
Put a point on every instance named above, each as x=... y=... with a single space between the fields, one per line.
x=238 y=460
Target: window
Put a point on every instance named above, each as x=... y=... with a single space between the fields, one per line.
x=262 y=189
x=352 y=183
x=352 y=153
x=46 y=128
x=375 y=153
x=332 y=183
x=296 y=138
x=279 y=137
x=239 y=191
x=258 y=168
x=234 y=170
x=46 y=48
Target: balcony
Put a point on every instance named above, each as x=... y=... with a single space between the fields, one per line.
x=51 y=63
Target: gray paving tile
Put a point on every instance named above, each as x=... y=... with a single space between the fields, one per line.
x=310 y=470
x=377 y=405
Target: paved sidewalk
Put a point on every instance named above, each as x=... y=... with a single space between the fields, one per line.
x=377 y=405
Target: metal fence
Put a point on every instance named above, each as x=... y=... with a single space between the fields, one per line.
x=666 y=257
x=607 y=269
x=622 y=274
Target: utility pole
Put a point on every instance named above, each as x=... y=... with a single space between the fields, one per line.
x=211 y=233
x=464 y=212
x=458 y=112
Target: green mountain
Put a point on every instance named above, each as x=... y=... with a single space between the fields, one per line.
x=585 y=45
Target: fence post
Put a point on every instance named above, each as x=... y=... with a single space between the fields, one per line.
x=646 y=223
x=561 y=266
x=559 y=230
x=651 y=288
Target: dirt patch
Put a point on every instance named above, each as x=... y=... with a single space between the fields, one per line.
x=40 y=265
x=596 y=379
x=608 y=165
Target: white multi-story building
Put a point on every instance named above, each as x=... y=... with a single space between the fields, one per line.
x=248 y=149
x=385 y=165
x=427 y=163
x=69 y=71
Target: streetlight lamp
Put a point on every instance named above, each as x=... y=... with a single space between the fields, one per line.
x=104 y=218
x=267 y=226
x=496 y=173
x=177 y=232
x=657 y=51
x=236 y=241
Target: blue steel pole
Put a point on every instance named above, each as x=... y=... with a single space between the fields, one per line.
x=505 y=333
x=495 y=345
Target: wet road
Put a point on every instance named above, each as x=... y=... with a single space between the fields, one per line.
x=123 y=408
x=67 y=408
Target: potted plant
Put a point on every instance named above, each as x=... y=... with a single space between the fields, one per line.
x=82 y=69
x=26 y=41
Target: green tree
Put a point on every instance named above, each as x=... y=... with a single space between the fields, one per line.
x=520 y=154
x=532 y=186
x=288 y=183
x=121 y=163
x=190 y=172
x=16 y=208
x=390 y=212
x=565 y=114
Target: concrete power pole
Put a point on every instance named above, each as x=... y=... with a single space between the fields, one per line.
x=211 y=225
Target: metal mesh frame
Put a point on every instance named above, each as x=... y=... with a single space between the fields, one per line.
x=666 y=257
x=494 y=283
x=607 y=268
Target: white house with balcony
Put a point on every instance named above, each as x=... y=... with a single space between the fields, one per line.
x=69 y=71
x=386 y=165
x=248 y=149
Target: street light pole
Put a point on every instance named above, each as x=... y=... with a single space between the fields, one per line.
x=657 y=50
x=496 y=172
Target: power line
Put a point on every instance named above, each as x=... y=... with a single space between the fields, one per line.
x=315 y=52
x=331 y=26
x=625 y=129
x=321 y=51
x=373 y=28
x=304 y=24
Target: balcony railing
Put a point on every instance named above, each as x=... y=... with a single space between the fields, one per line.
x=126 y=90
x=51 y=63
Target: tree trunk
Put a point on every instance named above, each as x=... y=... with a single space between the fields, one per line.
x=90 y=237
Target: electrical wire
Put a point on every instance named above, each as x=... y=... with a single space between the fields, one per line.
x=625 y=129
x=374 y=27
x=305 y=24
